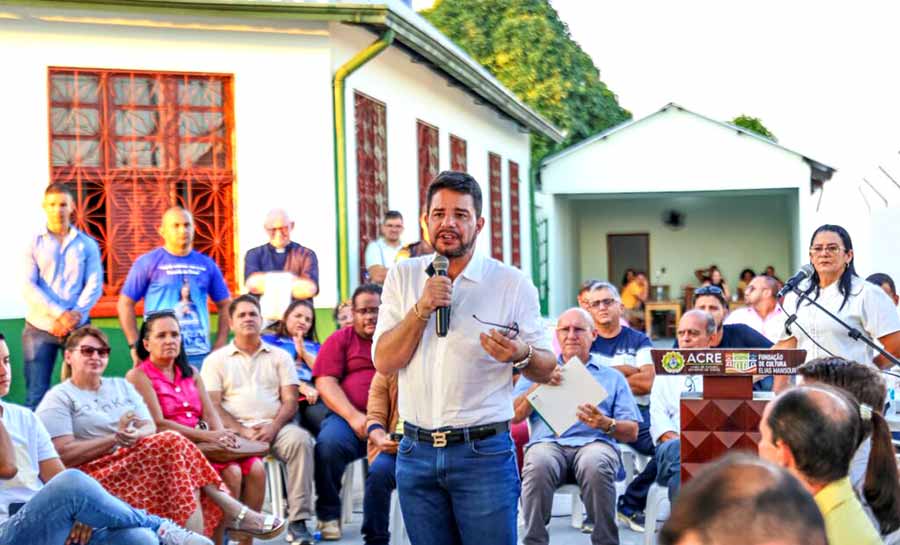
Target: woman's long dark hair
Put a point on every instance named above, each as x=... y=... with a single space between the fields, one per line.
x=181 y=360
x=881 y=487
x=281 y=326
x=846 y=280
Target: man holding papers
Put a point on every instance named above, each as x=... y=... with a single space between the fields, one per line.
x=586 y=451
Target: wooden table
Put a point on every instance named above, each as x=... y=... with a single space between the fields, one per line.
x=660 y=306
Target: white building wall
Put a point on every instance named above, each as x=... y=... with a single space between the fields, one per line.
x=282 y=102
x=413 y=92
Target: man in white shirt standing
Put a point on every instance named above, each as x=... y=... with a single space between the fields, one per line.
x=456 y=465
x=382 y=252
x=762 y=312
x=695 y=330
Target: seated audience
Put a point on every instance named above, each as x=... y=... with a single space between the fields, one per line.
x=102 y=426
x=296 y=334
x=588 y=450
x=762 y=312
x=415 y=249
x=627 y=351
x=742 y=500
x=177 y=400
x=253 y=386
x=711 y=299
x=343 y=374
x=873 y=470
x=770 y=271
x=886 y=283
x=381 y=420
x=585 y=287
x=813 y=431
x=696 y=329
x=343 y=314
x=747 y=276
x=634 y=295
x=41 y=502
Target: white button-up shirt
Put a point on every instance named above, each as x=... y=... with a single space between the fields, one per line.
x=868 y=309
x=452 y=381
x=772 y=326
x=665 y=402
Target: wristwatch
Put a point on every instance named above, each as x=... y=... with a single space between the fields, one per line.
x=612 y=427
x=525 y=362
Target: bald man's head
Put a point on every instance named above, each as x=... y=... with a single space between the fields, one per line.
x=696 y=329
x=743 y=500
x=177 y=231
x=808 y=421
x=575 y=333
x=279 y=226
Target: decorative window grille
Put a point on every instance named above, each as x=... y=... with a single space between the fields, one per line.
x=429 y=157
x=371 y=170
x=496 y=205
x=131 y=144
x=514 y=215
x=457 y=154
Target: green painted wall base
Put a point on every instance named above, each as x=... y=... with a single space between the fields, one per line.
x=119 y=360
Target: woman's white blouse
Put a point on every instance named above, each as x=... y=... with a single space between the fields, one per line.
x=868 y=309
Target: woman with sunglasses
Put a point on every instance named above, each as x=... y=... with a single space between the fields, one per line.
x=177 y=401
x=296 y=334
x=102 y=426
x=836 y=286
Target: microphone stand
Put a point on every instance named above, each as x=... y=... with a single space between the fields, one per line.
x=854 y=333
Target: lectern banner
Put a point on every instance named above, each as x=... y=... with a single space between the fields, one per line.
x=727 y=362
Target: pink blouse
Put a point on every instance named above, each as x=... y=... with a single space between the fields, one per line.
x=178 y=399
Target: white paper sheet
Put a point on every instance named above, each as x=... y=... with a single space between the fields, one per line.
x=558 y=405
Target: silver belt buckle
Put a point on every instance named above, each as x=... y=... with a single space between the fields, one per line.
x=439 y=439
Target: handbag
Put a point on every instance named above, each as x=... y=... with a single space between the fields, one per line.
x=245 y=448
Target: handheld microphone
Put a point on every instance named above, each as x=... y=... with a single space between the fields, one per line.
x=805 y=272
x=442 y=323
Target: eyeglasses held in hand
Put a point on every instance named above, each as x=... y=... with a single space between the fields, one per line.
x=512 y=331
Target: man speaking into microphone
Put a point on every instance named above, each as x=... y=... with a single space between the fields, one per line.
x=456 y=465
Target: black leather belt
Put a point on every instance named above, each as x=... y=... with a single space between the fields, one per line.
x=449 y=436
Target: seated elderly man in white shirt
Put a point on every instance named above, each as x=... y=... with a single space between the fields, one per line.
x=695 y=330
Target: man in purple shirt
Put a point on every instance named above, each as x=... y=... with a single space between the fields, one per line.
x=65 y=280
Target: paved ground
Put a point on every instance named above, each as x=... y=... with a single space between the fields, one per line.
x=561 y=530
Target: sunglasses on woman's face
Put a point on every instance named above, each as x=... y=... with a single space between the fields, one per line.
x=89 y=351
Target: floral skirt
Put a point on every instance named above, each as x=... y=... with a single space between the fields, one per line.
x=160 y=474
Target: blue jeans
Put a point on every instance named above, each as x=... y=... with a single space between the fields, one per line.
x=73 y=496
x=635 y=497
x=764 y=385
x=377 y=499
x=336 y=446
x=39 y=350
x=668 y=460
x=462 y=494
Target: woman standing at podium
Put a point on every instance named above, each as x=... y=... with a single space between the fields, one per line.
x=836 y=286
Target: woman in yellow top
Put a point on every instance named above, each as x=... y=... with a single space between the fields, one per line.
x=635 y=293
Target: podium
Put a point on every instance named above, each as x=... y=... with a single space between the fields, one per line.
x=726 y=415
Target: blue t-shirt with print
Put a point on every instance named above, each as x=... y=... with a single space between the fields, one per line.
x=629 y=347
x=181 y=284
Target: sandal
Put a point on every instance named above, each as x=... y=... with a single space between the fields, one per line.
x=268 y=531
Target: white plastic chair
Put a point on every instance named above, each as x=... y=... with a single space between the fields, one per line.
x=275 y=491
x=347 y=488
x=657 y=511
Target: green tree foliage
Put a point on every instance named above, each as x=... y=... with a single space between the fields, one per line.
x=525 y=45
x=753 y=124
